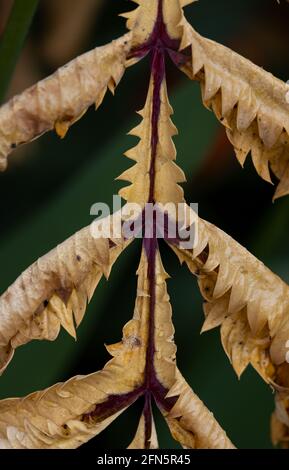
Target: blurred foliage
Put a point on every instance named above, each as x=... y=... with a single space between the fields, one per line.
x=12 y=40
x=48 y=190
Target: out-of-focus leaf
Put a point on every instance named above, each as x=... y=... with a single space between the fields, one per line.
x=57 y=47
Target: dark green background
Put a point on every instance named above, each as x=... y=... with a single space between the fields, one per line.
x=47 y=196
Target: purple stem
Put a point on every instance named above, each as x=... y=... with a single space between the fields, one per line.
x=158 y=44
x=147 y=412
x=158 y=74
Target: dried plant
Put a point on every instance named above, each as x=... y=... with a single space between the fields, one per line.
x=242 y=296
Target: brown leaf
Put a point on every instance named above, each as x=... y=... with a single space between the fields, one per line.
x=67 y=415
x=54 y=291
x=142 y=20
x=139 y=332
x=243 y=297
x=191 y=423
x=280 y=417
x=280 y=421
x=251 y=305
x=166 y=173
x=250 y=102
x=248 y=301
x=139 y=441
x=61 y=99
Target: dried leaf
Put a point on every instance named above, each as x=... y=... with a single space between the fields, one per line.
x=191 y=423
x=67 y=415
x=166 y=174
x=153 y=301
x=280 y=417
x=139 y=441
x=250 y=102
x=243 y=297
x=61 y=99
x=54 y=291
x=248 y=301
x=142 y=20
x=280 y=421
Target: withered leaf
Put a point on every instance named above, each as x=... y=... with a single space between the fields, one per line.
x=191 y=423
x=54 y=291
x=250 y=102
x=243 y=297
x=166 y=173
x=280 y=420
x=142 y=20
x=65 y=415
x=61 y=99
x=139 y=441
x=248 y=301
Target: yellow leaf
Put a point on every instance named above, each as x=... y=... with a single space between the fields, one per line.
x=242 y=296
x=54 y=291
x=166 y=174
x=280 y=421
x=250 y=102
x=67 y=415
x=248 y=301
x=142 y=20
x=63 y=98
x=191 y=423
x=139 y=441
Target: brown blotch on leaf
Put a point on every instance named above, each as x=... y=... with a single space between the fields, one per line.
x=64 y=295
